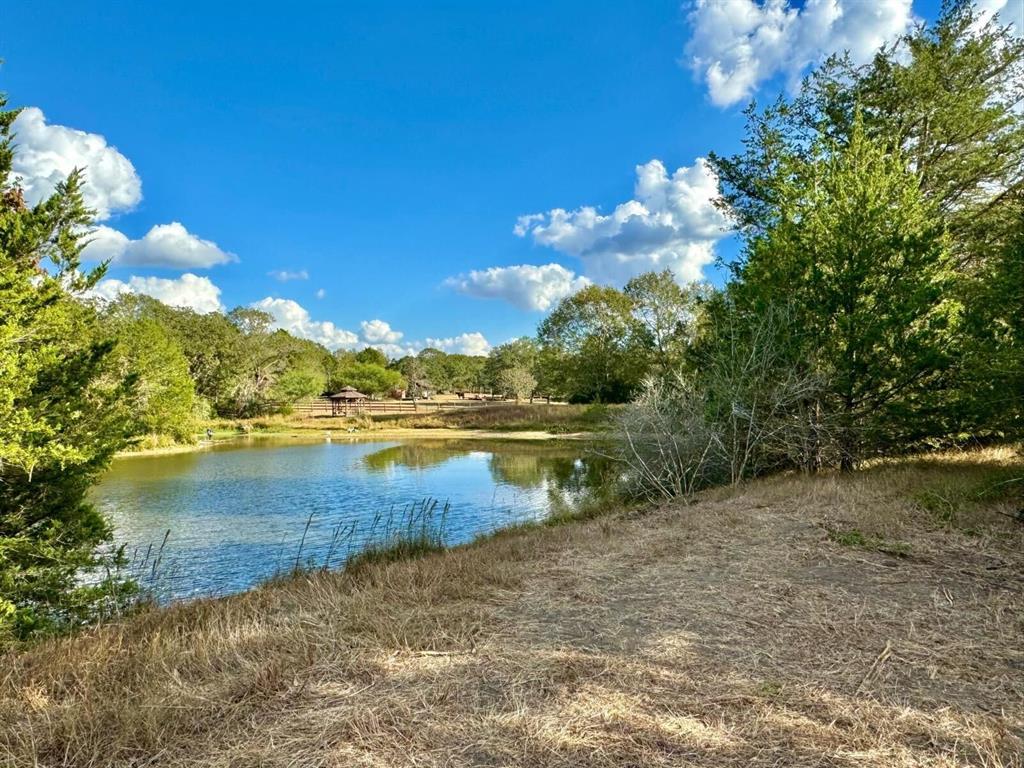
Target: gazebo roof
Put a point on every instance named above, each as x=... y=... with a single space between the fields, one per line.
x=348 y=393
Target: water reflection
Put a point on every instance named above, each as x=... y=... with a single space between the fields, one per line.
x=522 y=465
x=238 y=514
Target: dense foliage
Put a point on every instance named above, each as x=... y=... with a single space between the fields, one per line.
x=599 y=344
x=876 y=306
x=65 y=409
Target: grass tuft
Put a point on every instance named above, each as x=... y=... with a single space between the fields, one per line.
x=418 y=531
x=852 y=537
x=953 y=502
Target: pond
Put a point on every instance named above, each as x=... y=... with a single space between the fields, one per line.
x=225 y=518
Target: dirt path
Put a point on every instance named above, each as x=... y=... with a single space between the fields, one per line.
x=735 y=632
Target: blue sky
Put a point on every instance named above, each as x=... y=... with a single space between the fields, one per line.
x=379 y=154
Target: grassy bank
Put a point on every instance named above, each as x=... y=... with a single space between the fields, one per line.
x=555 y=419
x=507 y=421
x=752 y=628
x=552 y=419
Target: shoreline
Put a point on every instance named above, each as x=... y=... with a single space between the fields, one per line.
x=311 y=434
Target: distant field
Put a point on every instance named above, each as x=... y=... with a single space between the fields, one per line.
x=523 y=417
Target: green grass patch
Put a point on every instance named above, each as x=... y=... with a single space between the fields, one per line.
x=419 y=530
x=401 y=548
x=954 y=502
x=858 y=539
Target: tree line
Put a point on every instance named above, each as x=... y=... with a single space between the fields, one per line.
x=188 y=367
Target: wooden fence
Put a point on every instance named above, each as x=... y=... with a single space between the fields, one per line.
x=322 y=406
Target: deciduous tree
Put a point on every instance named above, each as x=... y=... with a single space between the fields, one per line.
x=595 y=344
x=517 y=382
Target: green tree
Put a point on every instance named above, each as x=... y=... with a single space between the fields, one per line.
x=517 y=382
x=211 y=343
x=435 y=367
x=370 y=379
x=594 y=346
x=305 y=373
x=372 y=355
x=860 y=257
x=262 y=358
x=667 y=314
x=165 y=401
x=63 y=411
x=946 y=96
x=519 y=353
x=990 y=401
x=213 y=346
x=466 y=372
x=414 y=373
x=947 y=99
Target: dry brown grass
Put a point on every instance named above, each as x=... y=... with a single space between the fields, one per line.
x=732 y=632
x=522 y=417
x=504 y=418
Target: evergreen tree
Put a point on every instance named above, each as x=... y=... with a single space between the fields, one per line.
x=861 y=259
x=946 y=95
x=990 y=391
x=63 y=410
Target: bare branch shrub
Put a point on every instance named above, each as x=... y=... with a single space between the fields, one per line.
x=748 y=409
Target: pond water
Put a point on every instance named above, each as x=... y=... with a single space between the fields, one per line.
x=223 y=519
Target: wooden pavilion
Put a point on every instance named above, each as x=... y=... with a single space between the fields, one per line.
x=344 y=399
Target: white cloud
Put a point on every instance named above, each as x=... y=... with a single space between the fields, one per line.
x=463 y=344
x=320 y=293
x=294 y=318
x=165 y=245
x=1010 y=12
x=735 y=45
x=105 y=244
x=45 y=154
x=190 y=291
x=671 y=224
x=283 y=275
x=524 y=285
x=379 y=332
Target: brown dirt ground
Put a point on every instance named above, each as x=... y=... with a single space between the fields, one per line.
x=732 y=632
